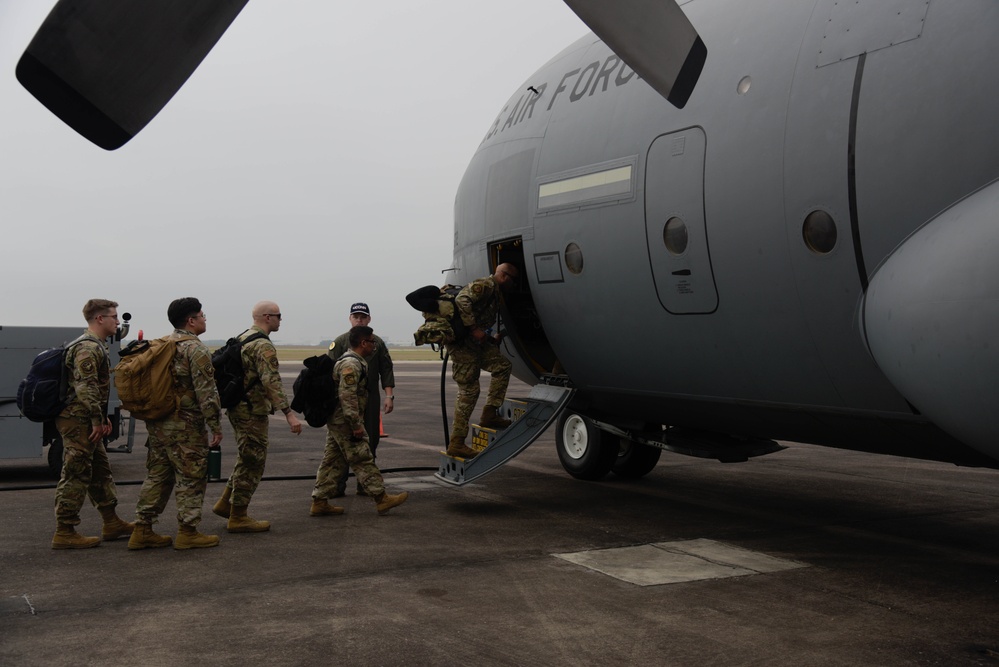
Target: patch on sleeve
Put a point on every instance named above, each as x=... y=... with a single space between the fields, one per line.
x=333 y=345
x=349 y=378
x=477 y=288
x=205 y=366
x=88 y=367
x=270 y=358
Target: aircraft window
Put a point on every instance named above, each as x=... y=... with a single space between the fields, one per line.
x=745 y=83
x=675 y=236
x=819 y=232
x=574 y=258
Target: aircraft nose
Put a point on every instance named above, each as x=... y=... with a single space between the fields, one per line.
x=931 y=315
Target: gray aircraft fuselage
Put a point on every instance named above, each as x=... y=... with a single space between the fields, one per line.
x=875 y=118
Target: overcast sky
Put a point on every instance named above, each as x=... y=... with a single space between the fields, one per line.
x=311 y=159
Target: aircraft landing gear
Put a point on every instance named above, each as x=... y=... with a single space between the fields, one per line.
x=584 y=450
x=634 y=460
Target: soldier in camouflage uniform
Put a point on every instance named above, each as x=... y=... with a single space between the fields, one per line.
x=249 y=419
x=83 y=424
x=478 y=305
x=379 y=369
x=349 y=442
x=177 y=456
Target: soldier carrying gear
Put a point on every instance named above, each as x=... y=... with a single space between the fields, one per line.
x=478 y=304
x=83 y=424
x=249 y=419
x=178 y=443
x=379 y=370
x=348 y=441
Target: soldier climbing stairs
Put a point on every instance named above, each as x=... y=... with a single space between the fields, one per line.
x=530 y=417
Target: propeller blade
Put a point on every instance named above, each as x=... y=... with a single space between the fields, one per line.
x=654 y=37
x=106 y=68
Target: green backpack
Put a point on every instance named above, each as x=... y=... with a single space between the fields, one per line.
x=442 y=324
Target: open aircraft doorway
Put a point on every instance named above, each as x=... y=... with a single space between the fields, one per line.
x=519 y=315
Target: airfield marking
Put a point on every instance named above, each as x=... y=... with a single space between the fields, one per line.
x=678 y=562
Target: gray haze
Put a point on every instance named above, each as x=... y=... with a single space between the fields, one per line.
x=312 y=159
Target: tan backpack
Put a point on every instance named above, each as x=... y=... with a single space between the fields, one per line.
x=144 y=378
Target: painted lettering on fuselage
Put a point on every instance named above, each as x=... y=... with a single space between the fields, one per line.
x=579 y=83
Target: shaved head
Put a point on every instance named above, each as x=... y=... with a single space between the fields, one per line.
x=267 y=316
x=264 y=307
x=505 y=275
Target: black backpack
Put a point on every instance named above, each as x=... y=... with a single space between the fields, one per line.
x=41 y=396
x=228 y=364
x=442 y=324
x=315 y=394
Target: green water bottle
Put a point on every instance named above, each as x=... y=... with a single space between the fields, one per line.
x=215 y=463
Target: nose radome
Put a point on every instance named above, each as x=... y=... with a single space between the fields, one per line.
x=931 y=316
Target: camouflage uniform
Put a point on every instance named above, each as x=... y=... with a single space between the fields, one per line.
x=178 y=444
x=86 y=470
x=478 y=305
x=341 y=448
x=249 y=419
x=379 y=368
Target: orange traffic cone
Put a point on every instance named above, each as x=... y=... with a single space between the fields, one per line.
x=381 y=428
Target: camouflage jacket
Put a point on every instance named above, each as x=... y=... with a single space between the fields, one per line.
x=348 y=374
x=261 y=377
x=194 y=379
x=478 y=303
x=379 y=363
x=88 y=374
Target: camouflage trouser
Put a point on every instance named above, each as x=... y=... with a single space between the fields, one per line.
x=372 y=424
x=86 y=471
x=341 y=451
x=251 y=455
x=176 y=459
x=467 y=359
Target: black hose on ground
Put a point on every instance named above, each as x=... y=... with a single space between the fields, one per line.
x=275 y=478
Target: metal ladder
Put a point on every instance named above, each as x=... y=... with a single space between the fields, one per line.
x=530 y=417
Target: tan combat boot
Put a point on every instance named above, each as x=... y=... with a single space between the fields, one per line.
x=66 y=537
x=321 y=507
x=491 y=419
x=114 y=527
x=143 y=537
x=223 y=508
x=385 y=502
x=458 y=449
x=240 y=523
x=188 y=537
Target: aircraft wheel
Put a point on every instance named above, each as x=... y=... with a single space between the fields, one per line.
x=55 y=458
x=635 y=460
x=585 y=451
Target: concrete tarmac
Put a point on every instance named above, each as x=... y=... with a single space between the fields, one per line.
x=809 y=556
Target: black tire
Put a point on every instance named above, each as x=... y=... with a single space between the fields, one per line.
x=585 y=451
x=55 y=458
x=635 y=460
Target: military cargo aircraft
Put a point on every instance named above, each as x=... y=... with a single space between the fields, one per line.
x=736 y=222
x=805 y=250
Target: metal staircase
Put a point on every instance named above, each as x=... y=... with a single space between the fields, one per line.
x=530 y=417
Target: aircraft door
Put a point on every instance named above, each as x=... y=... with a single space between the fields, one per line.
x=674 y=223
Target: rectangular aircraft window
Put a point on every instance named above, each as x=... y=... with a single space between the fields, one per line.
x=604 y=186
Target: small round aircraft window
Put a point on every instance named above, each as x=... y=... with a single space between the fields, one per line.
x=819 y=232
x=745 y=83
x=675 y=236
x=574 y=259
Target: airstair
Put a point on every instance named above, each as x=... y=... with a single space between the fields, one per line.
x=530 y=417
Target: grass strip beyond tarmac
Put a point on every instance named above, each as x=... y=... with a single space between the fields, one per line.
x=298 y=353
